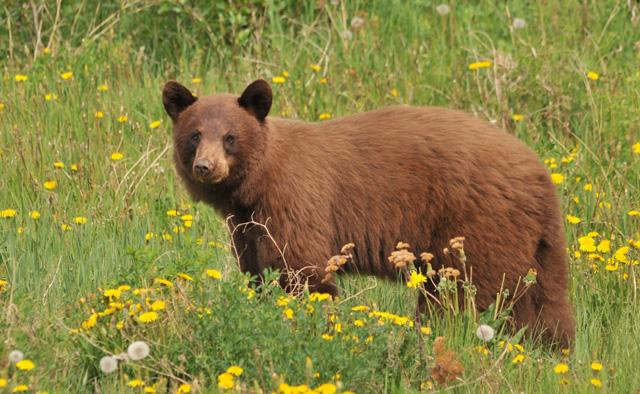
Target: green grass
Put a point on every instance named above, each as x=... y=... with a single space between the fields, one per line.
x=405 y=53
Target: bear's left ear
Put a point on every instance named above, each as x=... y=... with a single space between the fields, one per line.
x=256 y=98
x=176 y=98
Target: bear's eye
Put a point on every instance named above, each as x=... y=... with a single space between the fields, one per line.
x=195 y=137
x=229 y=140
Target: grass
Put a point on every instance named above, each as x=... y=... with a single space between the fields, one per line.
x=53 y=280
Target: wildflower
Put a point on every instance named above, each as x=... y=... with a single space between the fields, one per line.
x=557 y=178
x=519 y=23
x=288 y=313
x=596 y=366
x=148 y=317
x=226 y=380
x=66 y=75
x=485 y=332
x=65 y=227
x=315 y=67
x=117 y=156
x=135 y=383
x=25 y=365
x=621 y=254
x=319 y=297
x=3 y=382
x=112 y=294
x=573 y=219
x=155 y=124
x=426 y=330
x=517 y=117
x=563 y=382
x=172 y=212
x=443 y=9
x=103 y=88
x=16 y=356
x=1 y=106
x=360 y=308
x=122 y=118
x=149 y=389
x=19 y=388
x=157 y=305
x=108 y=364
x=357 y=23
x=588 y=187
x=327 y=337
x=561 y=368
x=20 y=78
x=324 y=115
x=596 y=382
x=327 y=388
x=278 y=79
x=138 y=350
x=479 y=65
x=99 y=114
x=80 y=220
x=50 y=96
x=235 y=370
x=325 y=80
x=214 y=273
x=50 y=185
x=633 y=212
x=394 y=92
x=196 y=80
x=186 y=277
x=416 y=279
x=184 y=388
x=587 y=244
x=604 y=246
x=518 y=359
x=593 y=75
x=120 y=325
x=636 y=148
x=90 y=322
x=8 y=213
x=347 y=35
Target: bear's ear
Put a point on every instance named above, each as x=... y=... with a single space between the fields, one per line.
x=256 y=99
x=176 y=98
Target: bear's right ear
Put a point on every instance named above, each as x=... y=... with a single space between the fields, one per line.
x=256 y=98
x=176 y=98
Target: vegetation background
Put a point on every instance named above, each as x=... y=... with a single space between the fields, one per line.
x=101 y=246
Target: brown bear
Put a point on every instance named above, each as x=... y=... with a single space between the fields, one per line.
x=418 y=175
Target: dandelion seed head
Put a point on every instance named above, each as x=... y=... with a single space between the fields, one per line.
x=443 y=9
x=485 y=332
x=138 y=350
x=519 y=23
x=108 y=364
x=16 y=356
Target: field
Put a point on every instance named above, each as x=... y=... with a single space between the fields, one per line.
x=101 y=246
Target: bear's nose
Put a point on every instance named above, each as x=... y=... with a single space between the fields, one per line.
x=202 y=168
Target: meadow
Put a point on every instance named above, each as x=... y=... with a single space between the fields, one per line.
x=101 y=246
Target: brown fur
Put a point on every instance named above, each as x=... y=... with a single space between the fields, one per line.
x=418 y=175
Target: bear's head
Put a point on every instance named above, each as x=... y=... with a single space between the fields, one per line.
x=218 y=139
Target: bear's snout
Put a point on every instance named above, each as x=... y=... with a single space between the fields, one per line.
x=202 y=169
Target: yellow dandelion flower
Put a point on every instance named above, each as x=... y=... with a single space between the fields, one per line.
x=149 y=389
x=50 y=97
x=517 y=117
x=561 y=368
x=99 y=114
x=20 y=388
x=161 y=281
x=66 y=75
x=73 y=167
x=358 y=323
x=518 y=359
x=479 y=65
x=186 y=218
x=58 y=164
x=326 y=388
x=415 y=279
x=360 y=308
x=327 y=337
x=315 y=296
x=596 y=366
x=235 y=370
x=172 y=212
x=278 y=79
x=563 y=382
x=196 y=80
x=315 y=67
x=588 y=187
x=596 y=382
x=122 y=118
x=285 y=74
x=324 y=81
x=188 y=224
x=557 y=178
x=3 y=283
x=3 y=382
x=184 y=388
x=185 y=276
x=573 y=219
x=50 y=185
x=20 y=78
x=25 y=365
x=604 y=246
x=288 y=313
x=394 y=92
x=155 y=124
x=148 y=317
x=90 y=322
x=214 y=273
x=592 y=75
x=112 y=294
x=117 y=156
x=8 y=213
x=46 y=51
x=135 y=383
x=324 y=116
x=120 y=325
x=80 y=220
x=103 y=88
x=633 y=212
x=157 y=305
x=1 y=106
x=426 y=330
x=226 y=380
x=65 y=227
x=636 y=148
x=621 y=254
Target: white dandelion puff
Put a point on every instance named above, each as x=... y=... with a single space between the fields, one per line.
x=519 y=23
x=357 y=23
x=347 y=35
x=16 y=356
x=485 y=332
x=138 y=350
x=443 y=9
x=108 y=364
